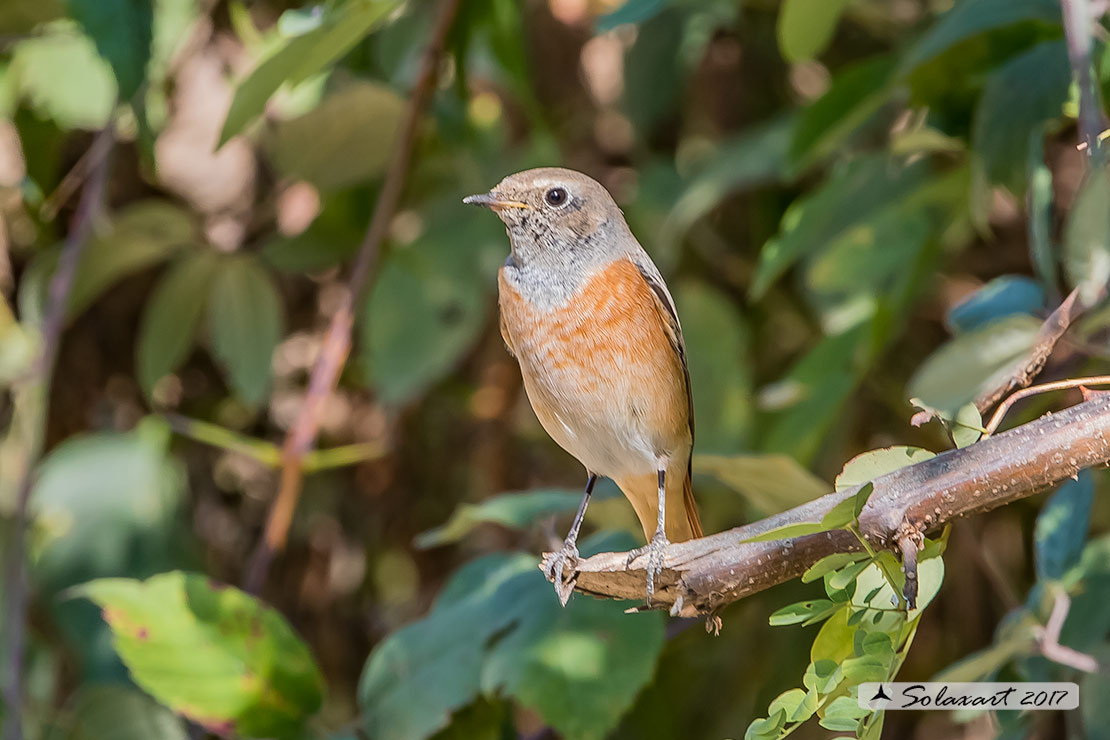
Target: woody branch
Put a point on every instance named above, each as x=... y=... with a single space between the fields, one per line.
x=703 y=575
x=337 y=340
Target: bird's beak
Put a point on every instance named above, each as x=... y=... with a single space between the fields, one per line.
x=493 y=201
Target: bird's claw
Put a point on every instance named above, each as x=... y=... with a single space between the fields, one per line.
x=559 y=567
x=655 y=550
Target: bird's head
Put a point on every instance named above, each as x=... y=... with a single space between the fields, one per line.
x=554 y=209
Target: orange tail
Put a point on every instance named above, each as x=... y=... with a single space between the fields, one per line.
x=690 y=504
x=682 y=519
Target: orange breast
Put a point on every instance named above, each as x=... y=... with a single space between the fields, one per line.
x=600 y=371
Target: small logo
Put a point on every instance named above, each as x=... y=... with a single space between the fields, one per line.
x=874 y=700
x=950 y=696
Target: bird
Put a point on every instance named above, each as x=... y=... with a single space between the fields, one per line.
x=590 y=321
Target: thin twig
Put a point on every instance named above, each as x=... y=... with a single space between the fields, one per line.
x=92 y=198
x=1051 y=331
x=69 y=184
x=337 y=341
x=1048 y=638
x=1033 y=390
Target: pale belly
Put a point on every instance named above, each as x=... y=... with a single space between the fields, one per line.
x=599 y=423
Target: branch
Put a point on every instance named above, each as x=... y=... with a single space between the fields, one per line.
x=701 y=576
x=337 y=341
x=1053 y=328
x=34 y=401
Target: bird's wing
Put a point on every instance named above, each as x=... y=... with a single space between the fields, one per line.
x=667 y=311
x=501 y=285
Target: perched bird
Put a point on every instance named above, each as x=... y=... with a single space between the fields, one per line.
x=587 y=315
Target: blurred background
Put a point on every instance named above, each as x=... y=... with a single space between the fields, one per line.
x=855 y=202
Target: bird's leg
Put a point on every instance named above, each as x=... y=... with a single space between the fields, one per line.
x=559 y=566
x=658 y=545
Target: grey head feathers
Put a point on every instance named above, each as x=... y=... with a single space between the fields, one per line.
x=563 y=226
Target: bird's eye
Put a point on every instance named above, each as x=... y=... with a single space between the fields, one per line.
x=555 y=197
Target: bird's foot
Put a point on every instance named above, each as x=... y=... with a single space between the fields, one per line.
x=559 y=567
x=655 y=550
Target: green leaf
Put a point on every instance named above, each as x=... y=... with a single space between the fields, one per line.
x=798 y=705
x=772 y=483
x=97 y=497
x=61 y=76
x=861 y=498
x=346 y=140
x=1094 y=702
x=856 y=93
x=170 y=319
x=302 y=57
x=212 y=653
x=103 y=505
x=578 y=667
x=298 y=21
x=1061 y=528
x=843 y=713
x=974 y=362
x=829 y=563
x=244 y=325
x=107 y=712
x=512 y=510
x=984 y=664
x=766 y=728
x=864 y=668
x=420 y=674
x=805 y=27
x=1087 y=237
x=823 y=676
x=873 y=590
x=122 y=31
x=755 y=157
x=867 y=466
x=1003 y=296
x=854 y=193
x=856 y=273
x=444 y=280
x=1041 y=209
x=812 y=393
x=141 y=235
x=840 y=515
x=717 y=347
x=973 y=17
x=801 y=612
x=878 y=644
x=1018 y=99
x=787 y=531
x=967 y=427
x=841 y=579
x=652 y=78
x=834 y=640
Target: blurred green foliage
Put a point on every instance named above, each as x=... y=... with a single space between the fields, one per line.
x=855 y=203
